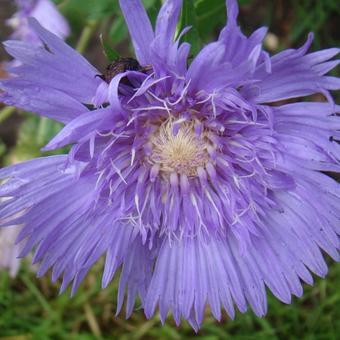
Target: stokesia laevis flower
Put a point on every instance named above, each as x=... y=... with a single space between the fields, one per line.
x=45 y=12
x=187 y=177
x=48 y=15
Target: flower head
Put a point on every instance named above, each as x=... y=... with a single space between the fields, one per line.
x=188 y=177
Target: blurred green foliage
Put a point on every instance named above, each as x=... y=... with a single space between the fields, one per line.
x=32 y=309
x=312 y=16
x=34 y=133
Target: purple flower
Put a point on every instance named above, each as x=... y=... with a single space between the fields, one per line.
x=45 y=12
x=194 y=180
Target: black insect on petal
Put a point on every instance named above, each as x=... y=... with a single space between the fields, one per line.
x=120 y=66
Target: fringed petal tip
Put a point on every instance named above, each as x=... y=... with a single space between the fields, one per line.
x=232 y=12
x=34 y=24
x=140 y=28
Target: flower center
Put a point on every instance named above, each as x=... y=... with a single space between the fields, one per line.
x=179 y=147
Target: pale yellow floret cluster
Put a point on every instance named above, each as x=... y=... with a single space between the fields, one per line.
x=182 y=152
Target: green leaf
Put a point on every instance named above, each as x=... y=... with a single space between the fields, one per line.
x=110 y=53
x=153 y=10
x=211 y=17
x=188 y=18
x=118 y=31
x=211 y=14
